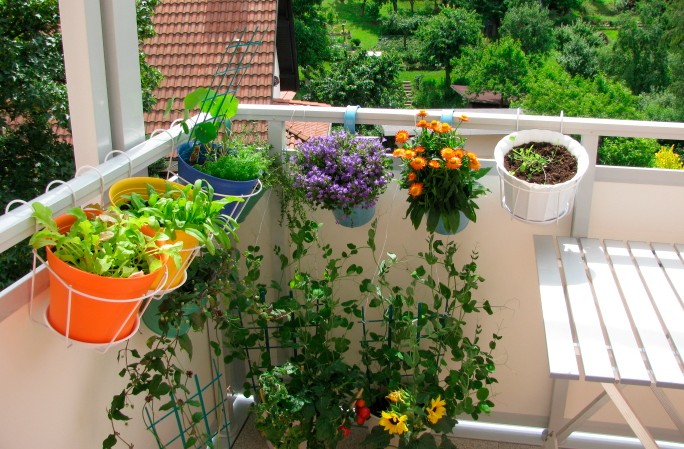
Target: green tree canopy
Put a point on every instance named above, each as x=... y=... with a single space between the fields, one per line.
x=529 y=24
x=550 y=90
x=355 y=78
x=578 y=46
x=445 y=36
x=499 y=66
x=311 y=34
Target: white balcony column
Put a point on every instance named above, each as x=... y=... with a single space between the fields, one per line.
x=120 y=32
x=582 y=214
x=86 y=80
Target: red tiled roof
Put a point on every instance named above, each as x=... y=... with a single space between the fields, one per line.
x=191 y=39
x=301 y=131
x=487 y=97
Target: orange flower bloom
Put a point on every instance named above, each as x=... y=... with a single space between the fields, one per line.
x=422 y=113
x=399 y=152
x=435 y=163
x=447 y=153
x=416 y=189
x=423 y=124
x=454 y=163
x=409 y=154
x=459 y=153
x=463 y=118
x=419 y=149
x=411 y=176
x=402 y=136
x=418 y=163
x=444 y=128
x=473 y=162
x=434 y=124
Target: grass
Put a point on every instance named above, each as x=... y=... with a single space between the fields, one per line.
x=413 y=74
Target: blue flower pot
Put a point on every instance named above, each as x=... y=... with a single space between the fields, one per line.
x=151 y=319
x=359 y=216
x=463 y=222
x=222 y=187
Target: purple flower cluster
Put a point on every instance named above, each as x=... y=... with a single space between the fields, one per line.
x=341 y=171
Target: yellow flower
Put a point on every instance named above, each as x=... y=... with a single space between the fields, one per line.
x=434 y=124
x=409 y=154
x=395 y=396
x=402 y=136
x=447 y=153
x=436 y=409
x=463 y=118
x=416 y=189
x=394 y=423
x=434 y=163
x=418 y=163
x=399 y=152
x=473 y=162
x=454 y=163
x=443 y=128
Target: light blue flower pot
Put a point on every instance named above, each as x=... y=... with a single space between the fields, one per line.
x=463 y=222
x=359 y=216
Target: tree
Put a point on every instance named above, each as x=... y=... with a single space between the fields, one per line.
x=311 y=34
x=499 y=66
x=531 y=26
x=445 y=36
x=550 y=90
x=578 y=46
x=639 y=56
x=675 y=36
x=491 y=11
x=355 y=78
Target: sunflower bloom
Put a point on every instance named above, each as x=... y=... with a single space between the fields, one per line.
x=473 y=162
x=411 y=176
x=447 y=153
x=436 y=410
x=435 y=163
x=422 y=113
x=416 y=189
x=454 y=163
x=395 y=396
x=409 y=154
x=402 y=136
x=418 y=163
x=422 y=124
x=398 y=152
x=463 y=118
x=419 y=149
x=394 y=423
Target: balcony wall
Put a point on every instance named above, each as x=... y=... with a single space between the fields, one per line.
x=56 y=396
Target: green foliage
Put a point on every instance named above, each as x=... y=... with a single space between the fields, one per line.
x=238 y=160
x=639 y=56
x=311 y=34
x=445 y=35
x=107 y=244
x=578 y=46
x=667 y=158
x=435 y=94
x=629 y=152
x=499 y=66
x=531 y=26
x=531 y=162
x=355 y=78
x=550 y=90
x=662 y=106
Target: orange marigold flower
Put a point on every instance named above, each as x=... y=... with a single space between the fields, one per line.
x=473 y=162
x=419 y=149
x=423 y=124
x=416 y=189
x=463 y=118
x=411 y=176
x=444 y=128
x=402 y=136
x=454 y=163
x=418 y=163
x=409 y=154
x=434 y=124
x=398 y=152
x=459 y=153
x=422 y=113
x=435 y=163
x=447 y=153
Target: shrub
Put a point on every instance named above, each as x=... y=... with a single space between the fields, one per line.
x=667 y=158
x=623 y=151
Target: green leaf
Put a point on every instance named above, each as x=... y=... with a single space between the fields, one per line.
x=482 y=394
x=185 y=344
x=190 y=442
x=109 y=442
x=197 y=417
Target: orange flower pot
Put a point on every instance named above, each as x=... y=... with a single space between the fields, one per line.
x=110 y=316
x=126 y=187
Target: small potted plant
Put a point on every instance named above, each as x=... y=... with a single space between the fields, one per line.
x=539 y=172
x=440 y=175
x=101 y=265
x=230 y=162
x=343 y=173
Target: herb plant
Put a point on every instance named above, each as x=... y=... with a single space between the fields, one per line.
x=531 y=162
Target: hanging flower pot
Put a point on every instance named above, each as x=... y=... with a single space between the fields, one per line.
x=538 y=202
x=359 y=216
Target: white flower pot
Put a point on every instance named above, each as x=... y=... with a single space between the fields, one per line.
x=538 y=203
